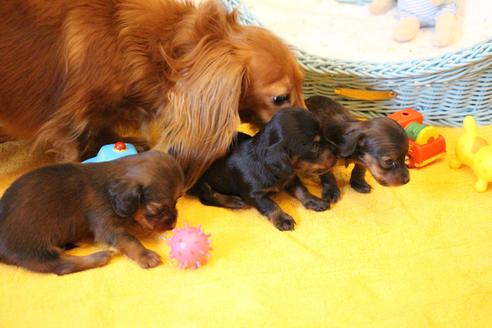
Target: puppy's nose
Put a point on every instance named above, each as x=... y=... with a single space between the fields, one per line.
x=406 y=179
x=171 y=219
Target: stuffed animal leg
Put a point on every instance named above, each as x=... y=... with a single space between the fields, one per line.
x=378 y=7
x=415 y=14
x=446 y=28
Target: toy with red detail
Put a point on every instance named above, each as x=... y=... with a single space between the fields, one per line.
x=426 y=145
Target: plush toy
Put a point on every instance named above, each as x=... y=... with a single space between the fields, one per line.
x=475 y=152
x=414 y=14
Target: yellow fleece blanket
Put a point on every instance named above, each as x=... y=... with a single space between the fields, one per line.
x=419 y=255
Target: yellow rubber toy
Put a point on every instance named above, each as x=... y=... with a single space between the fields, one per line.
x=475 y=152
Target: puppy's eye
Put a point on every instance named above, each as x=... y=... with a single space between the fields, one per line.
x=390 y=164
x=155 y=213
x=315 y=148
x=280 y=100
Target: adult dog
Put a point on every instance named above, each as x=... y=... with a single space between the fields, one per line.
x=73 y=72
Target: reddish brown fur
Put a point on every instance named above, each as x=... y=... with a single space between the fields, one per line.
x=111 y=203
x=74 y=71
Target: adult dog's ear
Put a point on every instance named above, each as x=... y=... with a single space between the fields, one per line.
x=278 y=161
x=125 y=197
x=350 y=141
x=201 y=116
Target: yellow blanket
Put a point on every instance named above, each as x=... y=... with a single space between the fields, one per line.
x=413 y=256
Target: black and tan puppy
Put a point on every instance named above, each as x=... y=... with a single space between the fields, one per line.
x=111 y=202
x=379 y=145
x=257 y=166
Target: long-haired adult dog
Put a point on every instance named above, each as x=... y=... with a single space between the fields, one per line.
x=111 y=203
x=73 y=71
x=266 y=163
x=379 y=145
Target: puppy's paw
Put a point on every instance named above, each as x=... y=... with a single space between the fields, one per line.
x=149 y=259
x=360 y=186
x=331 y=194
x=284 y=222
x=316 y=204
x=102 y=258
x=235 y=203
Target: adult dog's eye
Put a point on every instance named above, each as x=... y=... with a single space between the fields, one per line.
x=280 y=100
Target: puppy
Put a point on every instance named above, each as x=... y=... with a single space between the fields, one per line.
x=74 y=73
x=258 y=166
x=112 y=203
x=379 y=145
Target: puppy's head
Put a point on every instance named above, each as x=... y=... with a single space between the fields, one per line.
x=381 y=146
x=148 y=191
x=295 y=143
x=273 y=77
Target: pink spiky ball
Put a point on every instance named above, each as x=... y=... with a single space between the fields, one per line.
x=190 y=247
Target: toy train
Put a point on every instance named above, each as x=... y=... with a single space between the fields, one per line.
x=426 y=145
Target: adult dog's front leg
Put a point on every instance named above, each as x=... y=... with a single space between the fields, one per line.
x=281 y=220
x=57 y=139
x=299 y=191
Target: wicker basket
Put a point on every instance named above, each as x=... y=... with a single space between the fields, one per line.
x=445 y=88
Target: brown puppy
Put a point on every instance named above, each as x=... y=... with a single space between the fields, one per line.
x=379 y=144
x=73 y=72
x=111 y=202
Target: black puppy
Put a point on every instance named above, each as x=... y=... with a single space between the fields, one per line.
x=56 y=206
x=379 y=144
x=257 y=166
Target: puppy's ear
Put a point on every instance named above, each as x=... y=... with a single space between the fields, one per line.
x=349 y=143
x=125 y=197
x=278 y=161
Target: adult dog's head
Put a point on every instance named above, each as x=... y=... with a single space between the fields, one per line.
x=220 y=73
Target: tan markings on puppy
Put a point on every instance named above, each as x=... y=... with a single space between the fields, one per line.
x=373 y=166
x=140 y=218
x=388 y=177
x=323 y=163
